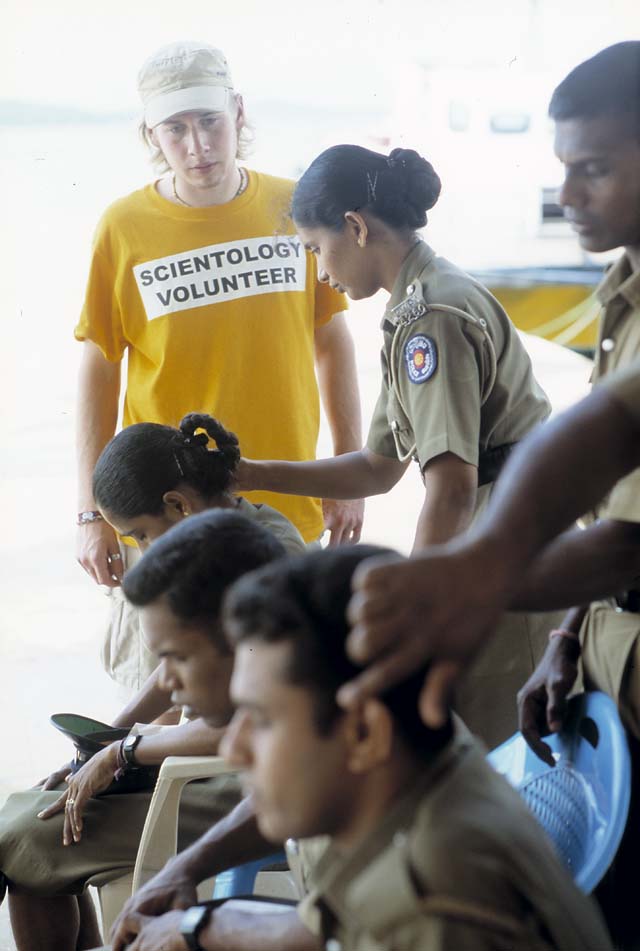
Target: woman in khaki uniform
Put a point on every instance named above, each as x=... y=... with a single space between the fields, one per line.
x=458 y=391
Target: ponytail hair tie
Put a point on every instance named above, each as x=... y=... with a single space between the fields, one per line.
x=199 y=439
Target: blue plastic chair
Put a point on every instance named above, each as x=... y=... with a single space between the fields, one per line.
x=582 y=803
x=241 y=879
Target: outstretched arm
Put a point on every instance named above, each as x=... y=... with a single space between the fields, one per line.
x=231 y=927
x=350 y=476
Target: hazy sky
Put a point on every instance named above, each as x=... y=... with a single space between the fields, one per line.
x=339 y=52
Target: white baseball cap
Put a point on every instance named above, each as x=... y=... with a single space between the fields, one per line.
x=183 y=77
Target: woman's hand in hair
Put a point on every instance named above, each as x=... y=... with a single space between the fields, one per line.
x=96 y=547
x=91 y=779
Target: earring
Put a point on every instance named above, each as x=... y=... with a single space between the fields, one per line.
x=186 y=513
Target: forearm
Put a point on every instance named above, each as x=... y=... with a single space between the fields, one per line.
x=232 y=841
x=581 y=566
x=194 y=738
x=150 y=702
x=96 y=416
x=527 y=510
x=353 y=475
x=449 y=503
x=233 y=929
x=338 y=384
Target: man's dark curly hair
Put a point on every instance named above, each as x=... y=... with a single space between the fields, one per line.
x=194 y=563
x=303 y=601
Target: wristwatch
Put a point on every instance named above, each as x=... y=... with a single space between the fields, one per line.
x=193 y=921
x=128 y=748
x=85 y=518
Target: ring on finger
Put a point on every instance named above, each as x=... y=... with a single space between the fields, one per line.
x=69 y=804
x=115 y=557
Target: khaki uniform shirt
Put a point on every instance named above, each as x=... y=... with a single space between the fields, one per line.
x=456 y=377
x=610 y=637
x=457 y=864
x=618 y=346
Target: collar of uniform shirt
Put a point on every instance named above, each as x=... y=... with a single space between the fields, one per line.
x=620 y=279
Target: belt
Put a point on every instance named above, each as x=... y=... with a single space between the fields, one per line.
x=629 y=601
x=492 y=461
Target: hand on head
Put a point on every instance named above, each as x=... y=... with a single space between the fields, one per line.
x=435 y=608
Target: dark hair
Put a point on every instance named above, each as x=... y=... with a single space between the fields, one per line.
x=608 y=84
x=398 y=189
x=145 y=460
x=304 y=601
x=194 y=563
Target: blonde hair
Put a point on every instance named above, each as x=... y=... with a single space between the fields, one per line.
x=159 y=162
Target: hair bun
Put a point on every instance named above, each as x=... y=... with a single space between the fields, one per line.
x=422 y=181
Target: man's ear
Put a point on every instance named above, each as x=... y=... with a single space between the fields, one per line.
x=176 y=504
x=357 y=225
x=370 y=736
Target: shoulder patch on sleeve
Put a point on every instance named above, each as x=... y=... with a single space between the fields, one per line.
x=421 y=358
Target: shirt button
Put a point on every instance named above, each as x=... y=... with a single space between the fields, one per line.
x=333 y=945
x=395 y=425
x=608 y=344
x=411 y=288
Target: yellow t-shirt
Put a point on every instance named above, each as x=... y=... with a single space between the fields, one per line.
x=216 y=308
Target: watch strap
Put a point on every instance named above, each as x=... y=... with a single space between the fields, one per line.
x=128 y=749
x=193 y=921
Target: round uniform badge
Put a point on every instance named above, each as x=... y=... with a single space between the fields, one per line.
x=421 y=358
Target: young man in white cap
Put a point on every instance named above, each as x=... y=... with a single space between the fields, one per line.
x=200 y=280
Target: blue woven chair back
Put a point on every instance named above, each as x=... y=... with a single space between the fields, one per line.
x=241 y=879
x=582 y=803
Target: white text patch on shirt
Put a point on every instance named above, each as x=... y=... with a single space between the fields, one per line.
x=221 y=272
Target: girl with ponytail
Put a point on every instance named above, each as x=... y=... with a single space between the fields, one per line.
x=457 y=392
x=151 y=476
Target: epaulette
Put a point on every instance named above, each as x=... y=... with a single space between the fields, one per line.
x=411 y=308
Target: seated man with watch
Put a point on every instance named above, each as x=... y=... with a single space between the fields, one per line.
x=90 y=837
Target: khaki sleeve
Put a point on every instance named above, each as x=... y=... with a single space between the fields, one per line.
x=440 y=364
x=101 y=317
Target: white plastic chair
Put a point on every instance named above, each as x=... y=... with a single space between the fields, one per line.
x=159 y=838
